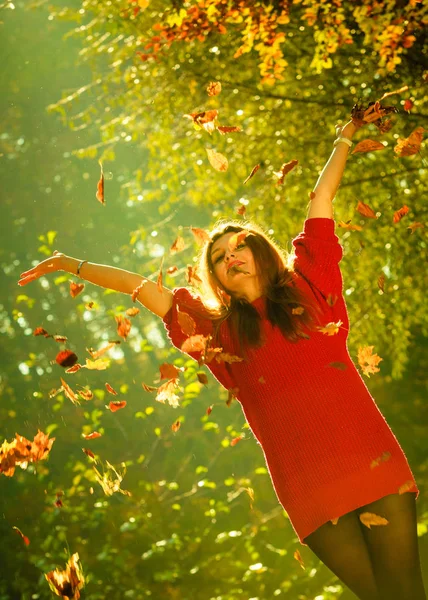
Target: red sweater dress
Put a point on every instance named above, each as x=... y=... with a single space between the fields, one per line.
x=328 y=448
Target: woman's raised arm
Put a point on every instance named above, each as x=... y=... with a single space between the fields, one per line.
x=107 y=277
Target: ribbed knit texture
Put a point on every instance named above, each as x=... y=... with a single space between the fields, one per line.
x=318 y=425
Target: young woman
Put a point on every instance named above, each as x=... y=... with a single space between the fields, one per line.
x=331 y=455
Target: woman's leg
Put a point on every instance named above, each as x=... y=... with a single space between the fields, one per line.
x=342 y=548
x=394 y=547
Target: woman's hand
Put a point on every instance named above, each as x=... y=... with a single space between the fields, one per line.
x=50 y=265
x=346 y=130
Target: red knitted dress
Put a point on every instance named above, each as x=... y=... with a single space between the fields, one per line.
x=327 y=446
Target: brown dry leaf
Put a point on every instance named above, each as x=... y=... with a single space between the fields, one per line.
x=137 y=290
x=194 y=343
x=89 y=453
x=67 y=583
x=166 y=392
x=410 y=145
x=172 y=270
x=253 y=172
x=368 y=519
x=213 y=88
x=187 y=324
x=74 y=368
x=368 y=146
x=76 y=288
x=229 y=358
x=331 y=328
x=365 y=210
x=123 y=326
x=86 y=394
x=97 y=353
x=217 y=160
x=414 y=226
x=298 y=557
x=367 y=360
x=399 y=214
x=380 y=459
x=285 y=168
x=228 y=129
x=178 y=245
x=176 y=426
x=348 y=225
x=60 y=338
x=97 y=365
x=192 y=276
x=69 y=392
x=201 y=236
x=381 y=282
x=205 y=119
x=312 y=195
x=149 y=388
x=21 y=451
x=110 y=389
x=169 y=371
x=41 y=331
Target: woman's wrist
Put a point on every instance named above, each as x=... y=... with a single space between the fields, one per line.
x=348 y=130
x=69 y=264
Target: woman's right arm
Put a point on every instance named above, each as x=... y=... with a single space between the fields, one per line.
x=107 y=277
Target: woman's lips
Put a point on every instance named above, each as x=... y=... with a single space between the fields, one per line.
x=235 y=262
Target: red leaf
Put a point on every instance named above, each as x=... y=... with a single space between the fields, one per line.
x=366 y=211
x=110 y=389
x=399 y=214
x=114 y=406
x=92 y=436
x=408 y=105
x=123 y=326
x=41 y=331
x=285 y=168
x=76 y=288
x=176 y=426
x=66 y=358
x=228 y=129
x=236 y=440
x=88 y=452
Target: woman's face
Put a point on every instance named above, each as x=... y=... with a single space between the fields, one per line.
x=235 y=268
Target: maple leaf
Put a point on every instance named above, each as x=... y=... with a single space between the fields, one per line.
x=368 y=519
x=168 y=371
x=331 y=328
x=213 y=88
x=253 y=172
x=123 y=326
x=218 y=161
x=399 y=214
x=368 y=146
x=367 y=360
x=285 y=168
x=178 y=245
x=22 y=451
x=100 y=186
x=68 y=582
x=410 y=145
x=165 y=392
x=66 y=358
x=76 y=288
x=365 y=210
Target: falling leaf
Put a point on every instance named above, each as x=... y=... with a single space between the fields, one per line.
x=66 y=358
x=92 y=436
x=97 y=365
x=169 y=371
x=408 y=105
x=97 y=353
x=58 y=499
x=236 y=440
x=110 y=389
x=89 y=453
x=187 y=324
x=410 y=145
x=132 y=312
x=253 y=172
x=60 y=338
x=285 y=168
x=202 y=378
x=194 y=343
x=67 y=583
x=166 y=391
x=172 y=270
x=159 y=279
x=21 y=451
x=69 y=393
x=368 y=146
x=24 y=537
x=149 y=388
x=298 y=557
x=205 y=119
x=228 y=129
x=236 y=239
x=399 y=214
x=368 y=519
x=213 y=88
x=192 y=276
x=331 y=328
x=348 y=225
x=89 y=305
x=114 y=406
x=217 y=160
x=176 y=426
x=209 y=409
x=365 y=210
x=414 y=226
x=86 y=394
x=123 y=326
x=241 y=210
x=137 y=290
x=367 y=360
x=380 y=459
x=100 y=186
x=406 y=487
x=381 y=282
x=74 y=368
x=111 y=479
x=178 y=245
x=76 y=288
x=338 y=365
x=226 y=357
x=41 y=331
x=201 y=236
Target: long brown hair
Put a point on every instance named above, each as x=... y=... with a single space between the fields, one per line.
x=276 y=276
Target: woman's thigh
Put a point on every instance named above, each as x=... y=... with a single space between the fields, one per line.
x=394 y=547
x=342 y=548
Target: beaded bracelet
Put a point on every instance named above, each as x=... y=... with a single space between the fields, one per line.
x=342 y=139
x=79 y=266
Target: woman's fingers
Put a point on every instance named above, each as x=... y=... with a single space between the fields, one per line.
x=27 y=279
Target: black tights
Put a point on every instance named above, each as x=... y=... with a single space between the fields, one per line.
x=380 y=563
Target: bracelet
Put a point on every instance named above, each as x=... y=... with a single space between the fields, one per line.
x=79 y=266
x=342 y=139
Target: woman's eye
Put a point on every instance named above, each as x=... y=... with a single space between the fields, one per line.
x=241 y=245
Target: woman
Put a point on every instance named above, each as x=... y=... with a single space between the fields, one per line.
x=331 y=455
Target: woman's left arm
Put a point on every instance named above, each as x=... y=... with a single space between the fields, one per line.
x=326 y=187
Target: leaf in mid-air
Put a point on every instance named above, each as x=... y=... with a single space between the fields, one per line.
x=368 y=146
x=365 y=210
x=399 y=214
x=217 y=160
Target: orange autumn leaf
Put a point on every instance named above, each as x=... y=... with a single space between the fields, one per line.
x=92 y=436
x=241 y=210
x=312 y=195
x=123 y=326
x=399 y=214
x=100 y=186
x=380 y=459
x=228 y=129
x=368 y=519
x=414 y=226
x=74 y=368
x=236 y=440
x=192 y=276
x=90 y=305
x=97 y=353
x=24 y=537
x=348 y=225
x=168 y=371
x=69 y=393
x=159 y=279
x=205 y=119
x=253 y=172
x=132 y=312
x=178 y=245
x=76 y=288
x=298 y=557
x=172 y=270
x=89 y=453
x=365 y=210
x=285 y=168
x=66 y=358
x=381 y=282
x=166 y=391
x=213 y=88
x=137 y=290
x=41 y=331
x=176 y=426
x=114 y=406
x=209 y=409
x=201 y=236
x=368 y=146
x=367 y=360
x=149 y=388
x=236 y=239
x=217 y=160
x=86 y=394
x=194 y=343
x=410 y=145
x=21 y=451
x=187 y=324
x=226 y=357
x=68 y=582
x=331 y=328
x=408 y=105
x=110 y=389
